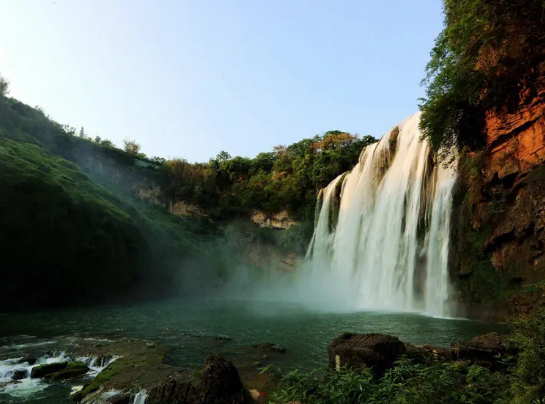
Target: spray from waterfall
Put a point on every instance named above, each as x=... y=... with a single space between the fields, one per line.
x=382 y=236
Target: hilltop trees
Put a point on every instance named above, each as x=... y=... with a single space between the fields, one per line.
x=287 y=178
x=131 y=147
x=4 y=87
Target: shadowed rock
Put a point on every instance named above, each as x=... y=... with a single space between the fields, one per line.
x=220 y=384
x=485 y=350
x=377 y=352
x=47 y=369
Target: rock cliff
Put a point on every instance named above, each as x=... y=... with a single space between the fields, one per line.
x=504 y=210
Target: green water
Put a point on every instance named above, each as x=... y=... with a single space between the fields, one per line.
x=189 y=327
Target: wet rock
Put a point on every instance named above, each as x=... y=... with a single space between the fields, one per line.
x=19 y=375
x=220 y=382
x=485 y=350
x=120 y=399
x=269 y=346
x=377 y=352
x=72 y=370
x=31 y=360
x=173 y=391
x=47 y=369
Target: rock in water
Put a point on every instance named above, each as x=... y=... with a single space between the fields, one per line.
x=72 y=370
x=377 y=352
x=47 y=369
x=18 y=375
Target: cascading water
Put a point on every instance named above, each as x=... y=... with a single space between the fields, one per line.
x=382 y=236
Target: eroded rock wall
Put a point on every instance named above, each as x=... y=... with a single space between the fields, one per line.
x=505 y=210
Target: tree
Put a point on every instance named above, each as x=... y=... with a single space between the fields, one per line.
x=82 y=133
x=4 y=87
x=131 y=147
x=223 y=156
x=98 y=139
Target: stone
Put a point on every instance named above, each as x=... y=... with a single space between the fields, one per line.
x=47 y=369
x=220 y=383
x=72 y=370
x=377 y=352
x=485 y=350
x=31 y=360
x=19 y=375
x=173 y=391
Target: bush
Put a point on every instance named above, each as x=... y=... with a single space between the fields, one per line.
x=409 y=382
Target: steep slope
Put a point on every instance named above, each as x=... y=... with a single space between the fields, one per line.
x=502 y=253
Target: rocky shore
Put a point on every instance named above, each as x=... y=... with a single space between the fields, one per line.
x=121 y=370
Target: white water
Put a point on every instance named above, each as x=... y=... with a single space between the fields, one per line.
x=28 y=386
x=388 y=249
x=140 y=397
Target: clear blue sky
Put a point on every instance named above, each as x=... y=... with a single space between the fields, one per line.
x=192 y=78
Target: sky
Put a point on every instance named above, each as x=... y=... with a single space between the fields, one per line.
x=190 y=78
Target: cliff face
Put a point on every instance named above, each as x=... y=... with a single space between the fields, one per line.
x=505 y=208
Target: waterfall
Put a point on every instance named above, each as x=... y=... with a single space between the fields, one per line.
x=382 y=235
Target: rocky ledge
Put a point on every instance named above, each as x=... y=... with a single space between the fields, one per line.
x=379 y=352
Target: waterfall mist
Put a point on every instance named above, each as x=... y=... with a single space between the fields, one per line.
x=382 y=237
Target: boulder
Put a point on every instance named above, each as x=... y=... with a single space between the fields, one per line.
x=220 y=384
x=72 y=370
x=31 y=360
x=485 y=350
x=377 y=352
x=47 y=369
x=173 y=391
x=19 y=375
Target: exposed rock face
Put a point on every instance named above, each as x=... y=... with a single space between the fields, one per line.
x=507 y=202
x=173 y=391
x=361 y=351
x=220 y=384
x=279 y=220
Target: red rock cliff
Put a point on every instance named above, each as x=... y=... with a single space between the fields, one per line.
x=509 y=209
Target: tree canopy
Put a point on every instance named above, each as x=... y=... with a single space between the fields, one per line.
x=487 y=50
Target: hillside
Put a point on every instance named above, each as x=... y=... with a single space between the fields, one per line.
x=79 y=237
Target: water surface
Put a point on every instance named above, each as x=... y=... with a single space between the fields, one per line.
x=192 y=329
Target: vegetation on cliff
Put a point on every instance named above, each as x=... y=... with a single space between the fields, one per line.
x=487 y=51
x=286 y=179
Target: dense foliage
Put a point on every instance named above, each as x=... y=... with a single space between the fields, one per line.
x=413 y=381
x=488 y=52
x=286 y=179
